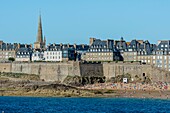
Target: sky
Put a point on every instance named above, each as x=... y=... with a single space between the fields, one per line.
x=75 y=21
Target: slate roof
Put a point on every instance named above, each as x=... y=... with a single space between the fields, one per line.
x=102 y=44
x=164 y=45
x=8 y=46
x=141 y=46
x=24 y=50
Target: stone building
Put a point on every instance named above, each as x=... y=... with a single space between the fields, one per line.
x=80 y=50
x=121 y=45
x=60 y=52
x=139 y=50
x=161 y=55
x=53 y=53
x=37 y=55
x=68 y=52
x=101 y=50
x=145 y=52
x=24 y=54
x=7 y=50
x=130 y=53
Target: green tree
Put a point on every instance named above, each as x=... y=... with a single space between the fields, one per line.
x=11 y=59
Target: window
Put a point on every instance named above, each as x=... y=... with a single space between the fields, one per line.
x=160 y=61
x=130 y=49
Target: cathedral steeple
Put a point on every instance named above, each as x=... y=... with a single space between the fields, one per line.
x=40 y=43
x=40 y=34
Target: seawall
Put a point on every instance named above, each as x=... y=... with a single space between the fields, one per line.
x=58 y=71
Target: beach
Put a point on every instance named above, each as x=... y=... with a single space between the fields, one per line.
x=133 y=90
x=32 y=86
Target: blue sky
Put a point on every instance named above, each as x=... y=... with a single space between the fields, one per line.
x=75 y=21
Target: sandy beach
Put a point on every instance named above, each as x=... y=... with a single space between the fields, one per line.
x=27 y=86
x=132 y=90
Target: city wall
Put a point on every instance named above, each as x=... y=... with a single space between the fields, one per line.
x=58 y=71
x=155 y=74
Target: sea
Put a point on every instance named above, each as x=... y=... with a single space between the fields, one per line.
x=82 y=105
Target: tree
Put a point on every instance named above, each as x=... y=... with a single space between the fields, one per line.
x=11 y=59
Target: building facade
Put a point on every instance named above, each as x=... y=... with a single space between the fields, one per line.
x=38 y=55
x=161 y=55
x=101 y=51
x=53 y=53
x=24 y=55
x=7 y=50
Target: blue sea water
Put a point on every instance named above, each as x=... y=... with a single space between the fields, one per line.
x=82 y=105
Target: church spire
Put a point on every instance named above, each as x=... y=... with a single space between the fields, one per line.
x=40 y=34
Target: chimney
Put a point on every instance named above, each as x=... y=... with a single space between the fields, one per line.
x=145 y=45
x=1 y=42
x=138 y=45
x=92 y=40
x=68 y=45
x=75 y=46
x=82 y=45
x=61 y=44
x=19 y=45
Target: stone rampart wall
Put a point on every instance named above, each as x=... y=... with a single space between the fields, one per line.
x=154 y=73
x=58 y=71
